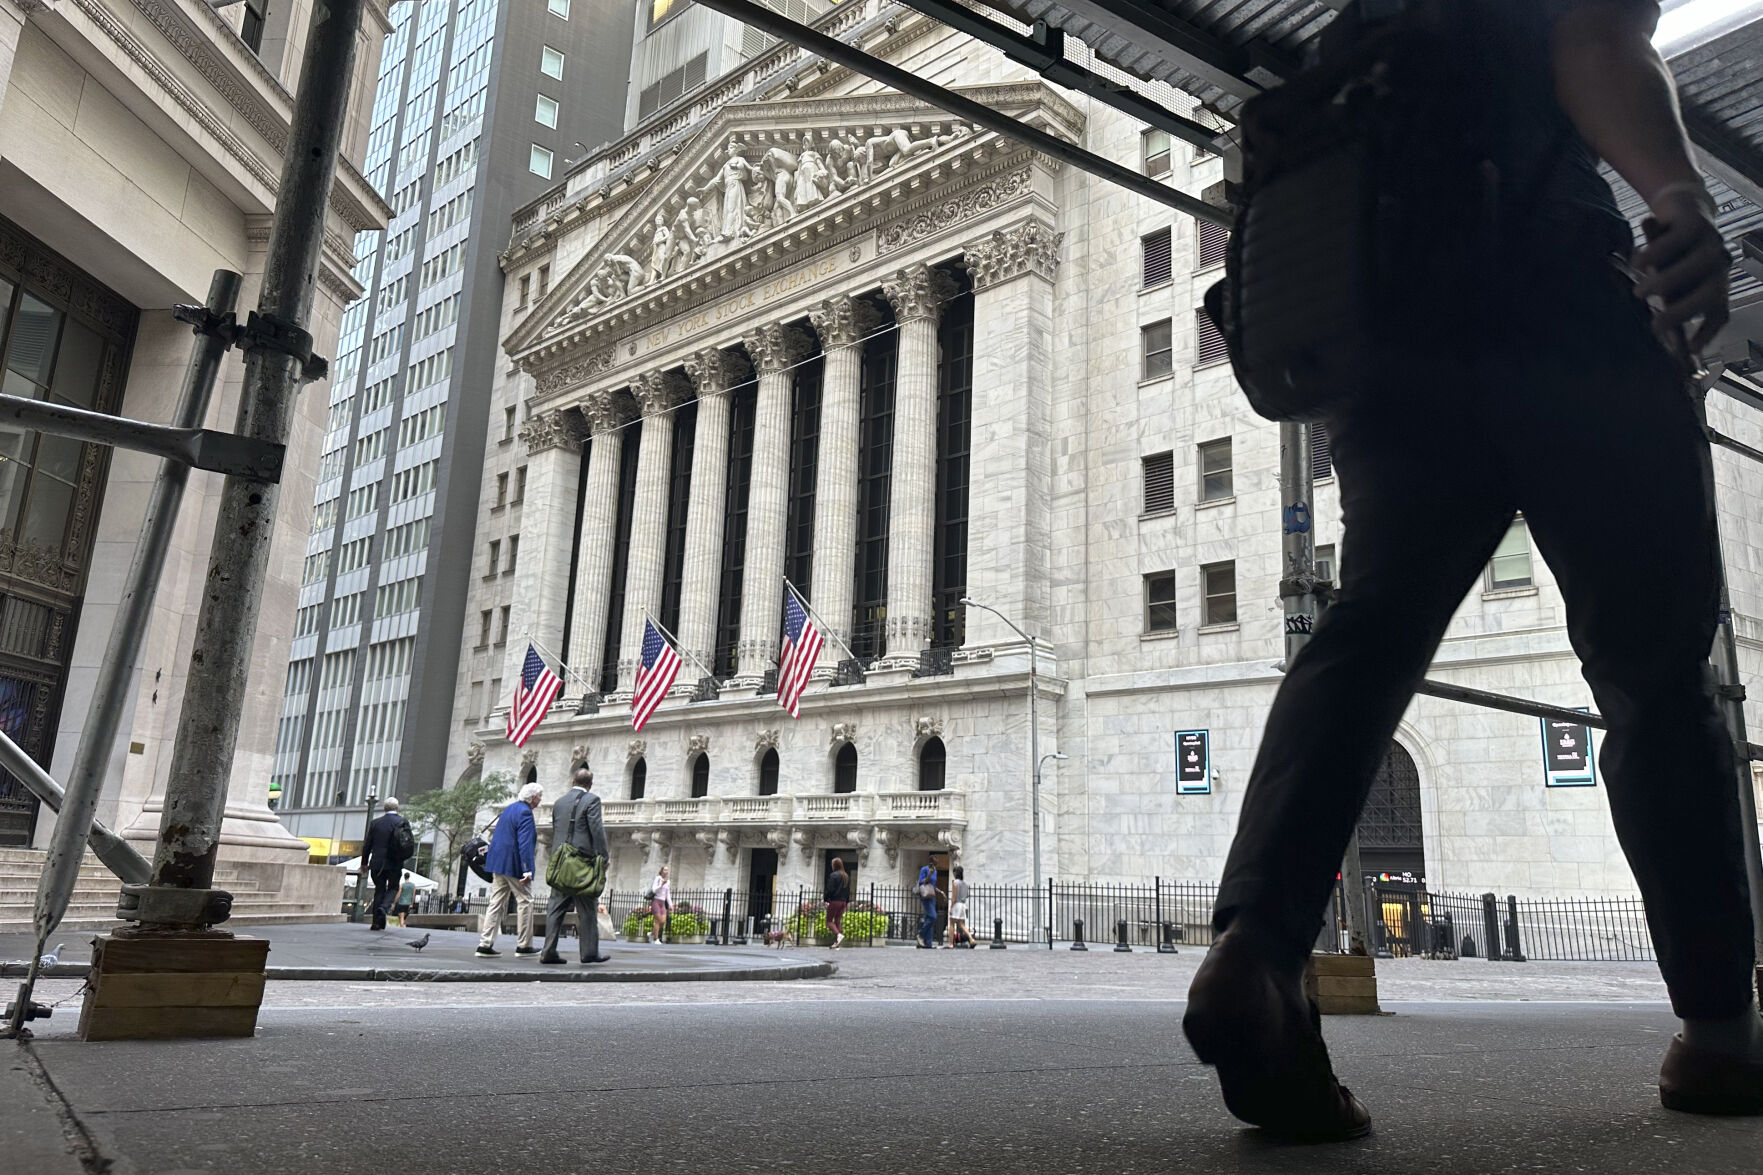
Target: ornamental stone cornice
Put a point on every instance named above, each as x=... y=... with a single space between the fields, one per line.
x=557 y=429
x=918 y=291
x=843 y=321
x=1031 y=247
x=608 y=409
x=574 y=374
x=661 y=391
x=715 y=370
x=775 y=347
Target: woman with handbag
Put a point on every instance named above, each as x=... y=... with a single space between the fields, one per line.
x=660 y=901
x=927 y=899
x=838 y=896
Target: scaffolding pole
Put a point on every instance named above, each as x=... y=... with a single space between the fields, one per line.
x=278 y=361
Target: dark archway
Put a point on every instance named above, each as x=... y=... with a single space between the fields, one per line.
x=933 y=760
x=531 y=774
x=768 y=773
x=639 y=778
x=845 y=769
x=700 y=777
x=1390 y=834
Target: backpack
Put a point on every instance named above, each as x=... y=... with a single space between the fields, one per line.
x=403 y=841
x=1371 y=199
x=474 y=854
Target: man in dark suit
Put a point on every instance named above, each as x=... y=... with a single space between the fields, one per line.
x=575 y=820
x=383 y=858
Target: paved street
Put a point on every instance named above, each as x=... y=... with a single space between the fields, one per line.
x=969 y=1061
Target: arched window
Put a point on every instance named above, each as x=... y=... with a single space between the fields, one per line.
x=700 y=777
x=932 y=759
x=531 y=774
x=845 y=769
x=768 y=774
x=639 y=778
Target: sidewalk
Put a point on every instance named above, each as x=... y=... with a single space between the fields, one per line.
x=344 y=951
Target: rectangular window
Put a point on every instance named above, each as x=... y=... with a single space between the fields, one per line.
x=660 y=10
x=495 y=560
x=544 y=279
x=1215 y=479
x=1160 y=602
x=501 y=490
x=1321 y=454
x=485 y=619
x=1156 y=350
x=1209 y=346
x=513 y=553
x=502 y=625
x=545 y=111
x=1510 y=566
x=1218 y=586
x=508 y=424
x=526 y=289
x=256 y=17
x=559 y=8
x=539 y=163
x=1154 y=152
x=1154 y=256
x=1325 y=564
x=1159 y=483
x=551 y=63
x=1214 y=243
x=519 y=486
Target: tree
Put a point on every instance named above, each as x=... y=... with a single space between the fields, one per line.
x=453 y=813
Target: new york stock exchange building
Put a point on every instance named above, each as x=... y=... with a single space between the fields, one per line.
x=801 y=328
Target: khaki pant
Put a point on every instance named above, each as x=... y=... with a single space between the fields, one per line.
x=490 y=921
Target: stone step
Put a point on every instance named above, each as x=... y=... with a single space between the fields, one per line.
x=12 y=926
x=108 y=893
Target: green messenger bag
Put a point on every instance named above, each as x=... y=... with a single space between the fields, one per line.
x=572 y=871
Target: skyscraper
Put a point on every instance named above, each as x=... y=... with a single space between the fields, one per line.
x=478 y=103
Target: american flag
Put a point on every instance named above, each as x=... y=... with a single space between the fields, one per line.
x=655 y=674
x=802 y=641
x=533 y=695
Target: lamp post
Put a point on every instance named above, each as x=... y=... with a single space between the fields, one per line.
x=1035 y=757
x=361 y=869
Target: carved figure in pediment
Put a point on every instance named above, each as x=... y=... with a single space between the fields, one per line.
x=881 y=152
x=660 y=242
x=779 y=167
x=811 y=177
x=761 y=200
x=685 y=247
x=625 y=273
x=843 y=171
x=703 y=223
x=731 y=184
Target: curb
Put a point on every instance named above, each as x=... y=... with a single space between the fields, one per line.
x=409 y=975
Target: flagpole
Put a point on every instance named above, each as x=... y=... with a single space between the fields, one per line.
x=534 y=641
x=826 y=628
x=674 y=641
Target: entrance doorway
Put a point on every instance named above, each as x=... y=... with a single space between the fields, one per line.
x=849 y=858
x=1391 y=845
x=761 y=884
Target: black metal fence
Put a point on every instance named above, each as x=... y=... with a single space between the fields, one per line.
x=1407 y=920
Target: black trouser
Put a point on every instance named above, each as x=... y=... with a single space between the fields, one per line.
x=385 y=888
x=1570 y=412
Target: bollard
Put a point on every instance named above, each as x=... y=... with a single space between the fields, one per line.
x=728 y=901
x=1120 y=943
x=1167 y=946
x=998 y=934
x=1490 y=920
x=1077 y=938
x=1514 y=950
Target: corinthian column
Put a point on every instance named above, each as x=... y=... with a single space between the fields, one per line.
x=774 y=350
x=553 y=443
x=607 y=413
x=1009 y=494
x=917 y=294
x=841 y=323
x=657 y=392
x=714 y=372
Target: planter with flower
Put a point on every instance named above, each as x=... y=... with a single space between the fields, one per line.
x=864 y=925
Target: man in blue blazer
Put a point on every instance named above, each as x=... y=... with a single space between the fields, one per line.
x=510 y=860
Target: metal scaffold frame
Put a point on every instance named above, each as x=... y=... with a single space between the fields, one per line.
x=1043 y=52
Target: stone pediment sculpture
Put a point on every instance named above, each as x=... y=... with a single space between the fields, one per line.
x=757 y=169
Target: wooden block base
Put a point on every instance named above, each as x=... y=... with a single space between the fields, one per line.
x=154 y=986
x=1342 y=985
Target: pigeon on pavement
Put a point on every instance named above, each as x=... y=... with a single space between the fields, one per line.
x=53 y=957
x=416 y=944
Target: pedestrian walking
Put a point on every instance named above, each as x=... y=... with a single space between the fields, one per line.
x=959 y=934
x=1528 y=330
x=513 y=850
x=390 y=842
x=927 y=892
x=660 y=902
x=406 y=900
x=838 y=896
x=576 y=820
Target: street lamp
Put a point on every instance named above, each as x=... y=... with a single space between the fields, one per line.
x=1035 y=757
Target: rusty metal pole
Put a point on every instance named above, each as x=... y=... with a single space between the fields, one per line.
x=278 y=361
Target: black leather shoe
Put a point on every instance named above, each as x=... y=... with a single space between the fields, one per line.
x=551 y=958
x=596 y=959
x=526 y=950
x=1696 y=1081
x=487 y=952
x=1248 y=1017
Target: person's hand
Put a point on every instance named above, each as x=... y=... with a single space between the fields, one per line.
x=1685 y=266
x=526 y=876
